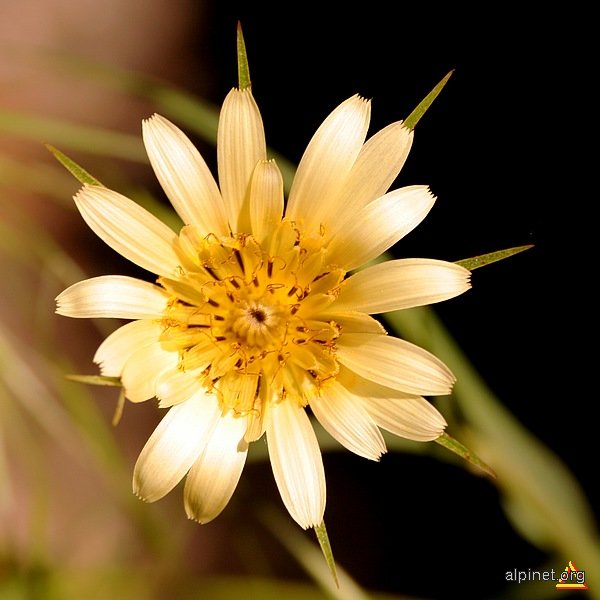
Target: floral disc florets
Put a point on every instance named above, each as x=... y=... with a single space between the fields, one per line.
x=245 y=317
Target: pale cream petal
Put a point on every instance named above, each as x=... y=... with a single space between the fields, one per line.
x=114 y=296
x=143 y=368
x=175 y=386
x=184 y=176
x=327 y=163
x=129 y=229
x=379 y=225
x=353 y=322
x=374 y=171
x=240 y=146
x=174 y=446
x=394 y=363
x=266 y=199
x=344 y=417
x=119 y=346
x=406 y=415
x=400 y=284
x=379 y=162
x=258 y=418
x=297 y=463
x=215 y=475
x=410 y=418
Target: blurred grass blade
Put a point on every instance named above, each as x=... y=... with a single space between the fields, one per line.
x=323 y=539
x=195 y=113
x=35 y=176
x=492 y=257
x=306 y=553
x=22 y=371
x=455 y=446
x=242 y=60
x=528 y=473
x=96 y=380
x=78 y=172
x=192 y=112
x=93 y=140
x=423 y=106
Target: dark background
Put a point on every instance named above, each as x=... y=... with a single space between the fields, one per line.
x=501 y=150
x=495 y=149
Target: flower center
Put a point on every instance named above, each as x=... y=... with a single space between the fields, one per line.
x=258 y=315
x=247 y=319
x=258 y=324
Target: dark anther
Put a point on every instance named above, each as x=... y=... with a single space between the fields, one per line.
x=211 y=273
x=238 y=257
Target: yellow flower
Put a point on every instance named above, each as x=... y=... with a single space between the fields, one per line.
x=253 y=318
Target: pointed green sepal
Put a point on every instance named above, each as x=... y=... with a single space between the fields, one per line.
x=492 y=257
x=459 y=449
x=323 y=540
x=96 y=380
x=78 y=172
x=104 y=381
x=423 y=106
x=119 y=408
x=242 y=60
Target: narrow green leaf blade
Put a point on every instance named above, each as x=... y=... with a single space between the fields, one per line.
x=492 y=257
x=423 y=106
x=104 y=381
x=119 y=408
x=77 y=171
x=195 y=113
x=92 y=140
x=242 y=60
x=96 y=380
x=323 y=540
x=459 y=449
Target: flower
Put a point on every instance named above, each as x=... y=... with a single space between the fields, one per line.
x=253 y=317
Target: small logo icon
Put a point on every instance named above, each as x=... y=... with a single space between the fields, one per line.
x=571 y=579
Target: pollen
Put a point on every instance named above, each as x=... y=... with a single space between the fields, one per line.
x=246 y=318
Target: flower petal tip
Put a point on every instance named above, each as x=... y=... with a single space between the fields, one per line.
x=430 y=193
x=81 y=193
x=376 y=457
x=363 y=99
x=140 y=493
x=200 y=519
x=140 y=497
x=59 y=305
x=152 y=120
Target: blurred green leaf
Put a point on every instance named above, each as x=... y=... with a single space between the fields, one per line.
x=529 y=474
x=192 y=112
x=37 y=177
x=343 y=587
x=93 y=140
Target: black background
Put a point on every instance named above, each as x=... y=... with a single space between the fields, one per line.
x=496 y=149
